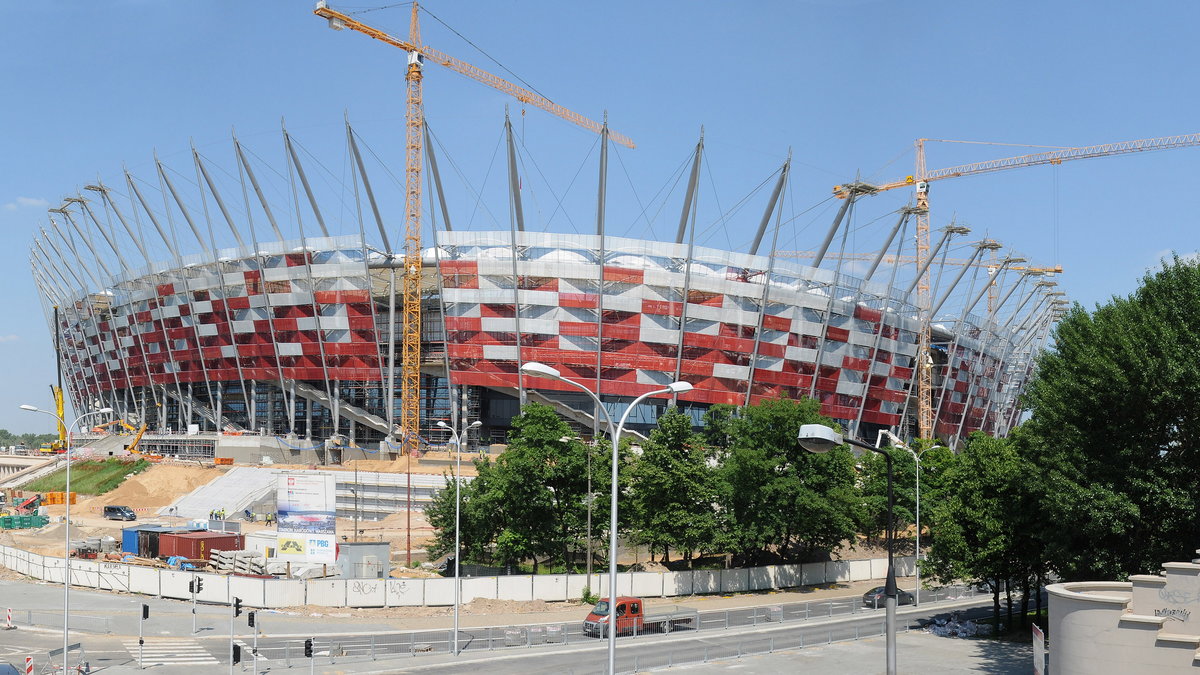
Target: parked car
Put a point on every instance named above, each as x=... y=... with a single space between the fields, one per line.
x=876 y=598
x=119 y=513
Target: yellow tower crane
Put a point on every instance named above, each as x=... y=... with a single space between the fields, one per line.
x=920 y=181
x=410 y=350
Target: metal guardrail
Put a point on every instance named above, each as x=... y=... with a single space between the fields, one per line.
x=90 y=624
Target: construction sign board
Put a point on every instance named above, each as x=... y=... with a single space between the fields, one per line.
x=306 y=504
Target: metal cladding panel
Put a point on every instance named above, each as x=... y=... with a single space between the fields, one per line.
x=637 y=340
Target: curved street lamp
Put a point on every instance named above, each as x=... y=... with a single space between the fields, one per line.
x=456 y=439
x=536 y=369
x=819 y=438
x=66 y=518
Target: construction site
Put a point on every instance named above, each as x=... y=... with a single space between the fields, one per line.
x=228 y=329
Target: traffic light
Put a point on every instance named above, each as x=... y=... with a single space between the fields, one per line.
x=145 y=612
x=237 y=653
x=237 y=606
x=196 y=585
x=250 y=619
x=308 y=648
x=192 y=586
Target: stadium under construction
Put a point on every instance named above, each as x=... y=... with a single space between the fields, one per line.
x=292 y=340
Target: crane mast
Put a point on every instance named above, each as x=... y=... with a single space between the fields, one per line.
x=920 y=180
x=410 y=344
x=418 y=52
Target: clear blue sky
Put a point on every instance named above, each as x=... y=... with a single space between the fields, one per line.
x=845 y=85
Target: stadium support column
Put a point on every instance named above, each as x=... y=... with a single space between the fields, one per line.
x=765 y=298
x=294 y=163
x=244 y=172
x=979 y=248
x=516 y=225
x=690 y=195
x=959 y=329
x=601 y=256
x=688 y=214
x=994 y=337
x=823 y=338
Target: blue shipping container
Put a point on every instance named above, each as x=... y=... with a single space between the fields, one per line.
x=129 y=540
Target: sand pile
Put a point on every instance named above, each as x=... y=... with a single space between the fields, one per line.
x=157 y=486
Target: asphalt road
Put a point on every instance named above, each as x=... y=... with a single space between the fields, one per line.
x=170 y=647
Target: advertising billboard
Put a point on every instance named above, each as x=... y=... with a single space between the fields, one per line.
x=305 y=503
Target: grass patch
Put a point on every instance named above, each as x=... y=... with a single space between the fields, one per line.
x=89 y=478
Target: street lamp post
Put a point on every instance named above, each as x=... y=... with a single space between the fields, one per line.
x=917 y=459
x=457 y=441
x=542 y=370
x=820 y=438
x=67 y=519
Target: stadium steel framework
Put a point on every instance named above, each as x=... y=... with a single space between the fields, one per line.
x=294 y=336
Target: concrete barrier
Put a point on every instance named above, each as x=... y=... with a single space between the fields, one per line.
x=174 y=584
x=365 y=592
x=551 y=588
x=761 y=578
x=488 y=588
x=623 y=585
x=837 y=570
x=677 y=583
x=112 y=576
x=735 y=581
x=812 y=574
x=860 y=570
x=439 y=592
x=515 y=588
x=52 y=569
x=83 y=573
x=270 y=593
x=284 y=593
x=647 y=584
x=249 y=590
x=879 y=568
x=144 y=580
x=789 y=576
x=405 y=592
x=706 y=581
x=327 y=592
x=577 y=582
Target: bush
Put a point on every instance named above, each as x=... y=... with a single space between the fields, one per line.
x=588 y=597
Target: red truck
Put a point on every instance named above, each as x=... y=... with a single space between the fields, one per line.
x=633 y=618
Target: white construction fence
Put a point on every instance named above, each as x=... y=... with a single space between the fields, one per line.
x=274 y=593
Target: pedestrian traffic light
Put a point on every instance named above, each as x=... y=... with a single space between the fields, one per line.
x=145 y=612
x=308 y=652
x=250 y=619
x=237 y=653
x=237 y=606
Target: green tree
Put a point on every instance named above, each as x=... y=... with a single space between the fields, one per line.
x=974 y=536
x=1115 y=429
x=780 y=501
x=673 y=491
x=529 y=505
x=479 y=526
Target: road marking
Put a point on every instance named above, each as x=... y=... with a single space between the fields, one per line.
x=170 y=652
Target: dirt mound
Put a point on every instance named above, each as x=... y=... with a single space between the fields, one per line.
x=155 y=487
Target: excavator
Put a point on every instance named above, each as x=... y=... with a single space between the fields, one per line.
x=136 y=431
